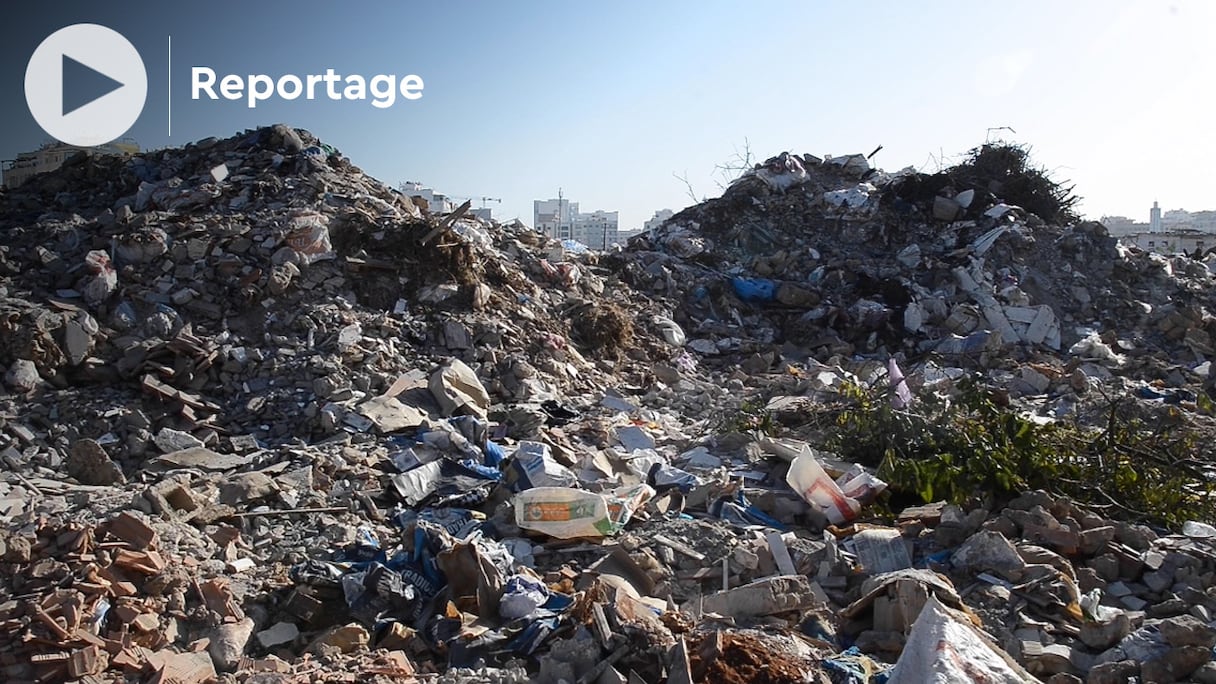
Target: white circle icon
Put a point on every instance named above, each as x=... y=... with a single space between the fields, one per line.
x=85 y=84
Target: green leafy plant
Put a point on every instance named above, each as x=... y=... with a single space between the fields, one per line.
x=751 y=416
x=972 y=449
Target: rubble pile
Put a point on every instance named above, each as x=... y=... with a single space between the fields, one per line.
x=831 y=259
x=264 y=287
x=266 y=420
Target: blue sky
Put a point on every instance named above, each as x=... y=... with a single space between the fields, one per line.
x=609 y=100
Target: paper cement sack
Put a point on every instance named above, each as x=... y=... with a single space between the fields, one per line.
x=563 y=512
x=457 y=389
x=943 y=649
x=816 y=487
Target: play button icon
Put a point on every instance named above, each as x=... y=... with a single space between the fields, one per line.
x=82 y=85
x=85 y=84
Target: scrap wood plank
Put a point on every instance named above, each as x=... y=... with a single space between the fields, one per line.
x=603 y=632
x=447 y=221
x=678 y=546
x=781 y=554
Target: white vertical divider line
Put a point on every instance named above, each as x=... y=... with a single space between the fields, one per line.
x=169 y=96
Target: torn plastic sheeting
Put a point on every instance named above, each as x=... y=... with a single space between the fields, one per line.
x=318 y=573
x=471 y=232
x=671 y=331
x=858 y=483
x=380 y=589
x=366 y=547
x=739 y=511
x=536 y=467
x=975 y=343
x=854 y=667
x=452 y=483
x=855 y=197
x=754 y=289
x=944 y=648
x=643 y=461
x=985 y=242
x=533 y=636
x=406 y=459
x=1092 y=347
x=808 y=478
x=419 y=483
x=901 y=396
x=457 y=522
x=781 y=172
x=663 y=476
x=521 y=597
x=623 y=501
x=999 y=210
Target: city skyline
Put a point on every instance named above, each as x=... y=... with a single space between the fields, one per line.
x=619 y=104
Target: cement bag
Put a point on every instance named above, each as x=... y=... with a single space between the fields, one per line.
x=816 y=487
x=945 y=649
x=457 y=389
x=563 y=512
x=308 y=235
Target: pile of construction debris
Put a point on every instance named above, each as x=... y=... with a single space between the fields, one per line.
x=269 y=421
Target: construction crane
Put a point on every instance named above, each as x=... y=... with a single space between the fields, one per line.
x=483 y=200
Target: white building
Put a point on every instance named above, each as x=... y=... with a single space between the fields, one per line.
x=52 y=155
x=561 y=219
x=597 y=229
x=1173 y=241
x=1176 y=230
x=436 y=203
x=555 y=217
x=657 y=220
x=1122 y=226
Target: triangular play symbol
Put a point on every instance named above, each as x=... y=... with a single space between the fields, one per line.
x=83 y=84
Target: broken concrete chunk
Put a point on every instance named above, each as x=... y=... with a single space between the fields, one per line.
x=228 y=643
x=22 y=376
x=89 y=464
x=169 y=440
x=987 y=551
x=1186 y=630
x=280 y=633
x=246 y=488
x=1176 y=664
x=78 y=338
x=202 y=458
x=341 y=639
x=1102 y=635
x=768 y=596
x=390 y=415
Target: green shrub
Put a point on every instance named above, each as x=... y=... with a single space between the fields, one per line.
x=972 y=449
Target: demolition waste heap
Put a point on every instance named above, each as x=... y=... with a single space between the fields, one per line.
x=264 y=419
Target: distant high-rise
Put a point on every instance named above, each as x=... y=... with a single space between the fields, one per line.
x=1154 y=219
x=561 y=219
x=555 y=217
